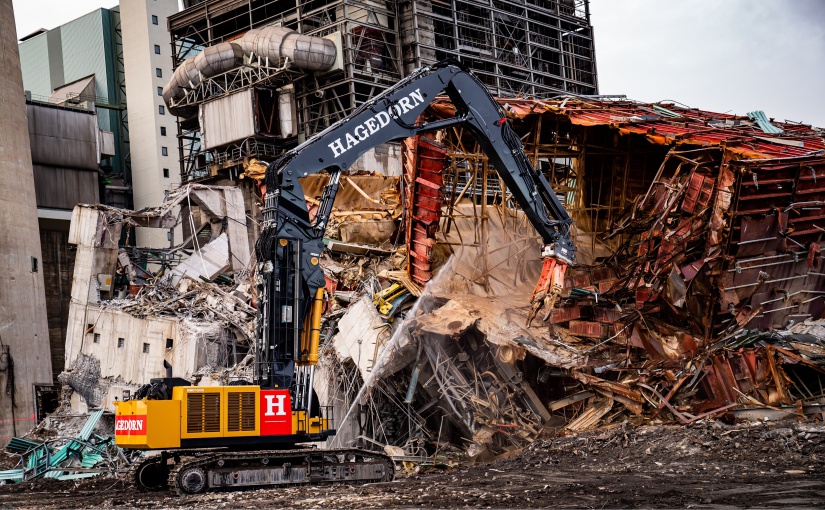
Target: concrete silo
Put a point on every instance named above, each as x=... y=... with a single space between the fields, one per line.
x=24 y=337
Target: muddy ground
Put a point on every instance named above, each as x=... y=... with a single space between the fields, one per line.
x=710 y=466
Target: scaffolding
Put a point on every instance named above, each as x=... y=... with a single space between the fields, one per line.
x=536 y=48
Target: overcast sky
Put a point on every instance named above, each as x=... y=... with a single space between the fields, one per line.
x=30 y=15
x=721 y=55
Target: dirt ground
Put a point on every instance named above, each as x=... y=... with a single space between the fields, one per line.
x=711 y=466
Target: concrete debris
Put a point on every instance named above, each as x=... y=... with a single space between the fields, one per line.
x=134 y=308
x=196 y=301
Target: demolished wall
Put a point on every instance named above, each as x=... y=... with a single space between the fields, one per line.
x=126 y=319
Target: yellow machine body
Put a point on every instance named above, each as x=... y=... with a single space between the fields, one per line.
x=214 y=416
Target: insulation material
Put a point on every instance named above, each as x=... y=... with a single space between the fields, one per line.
x=373 y=232
x=227 y=119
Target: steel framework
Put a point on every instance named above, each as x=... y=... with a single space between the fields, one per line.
x=535 y=48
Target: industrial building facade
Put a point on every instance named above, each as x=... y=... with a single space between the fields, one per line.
x=87 y=145
x=95 y=62
x=80 y=64
x=518 y=48
x=152 y=129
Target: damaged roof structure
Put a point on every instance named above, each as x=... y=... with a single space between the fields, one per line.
x=699 y=239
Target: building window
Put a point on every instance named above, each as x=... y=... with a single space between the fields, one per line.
x=97 y=338
x=145 y=347
x=161 y=110
x=164 y=151
x=154 y=19
x=163 y=131
x=159 y=72
x=160 y=91
x=169 y=343
x=157 y=49
x=121 y=342
x=166 y=173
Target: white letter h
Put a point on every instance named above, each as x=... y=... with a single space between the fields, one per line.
x=270 y=404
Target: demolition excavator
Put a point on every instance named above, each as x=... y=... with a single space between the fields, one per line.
x=245 y=434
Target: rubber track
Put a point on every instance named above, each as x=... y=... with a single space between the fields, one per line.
x=198 y=458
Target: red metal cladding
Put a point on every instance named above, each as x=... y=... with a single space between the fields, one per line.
x=700 y=189
x=643 y=295
x=607 y=286
x=601 y=274
x=746 y=371
x=577 y=280
x=331 y=286
x=588 y=329
x=559 y=315
x=424 y=162
x=606 y=315
x=618 y=330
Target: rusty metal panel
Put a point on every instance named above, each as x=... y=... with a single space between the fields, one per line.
x=588 y=329
x=568 y=313
x=700 y=188
x=580 y=280
x=606 y=315
x=424 y=162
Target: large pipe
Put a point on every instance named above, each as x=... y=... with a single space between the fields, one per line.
x=275 y=45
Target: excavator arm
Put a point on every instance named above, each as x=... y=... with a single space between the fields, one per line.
x=290 y=281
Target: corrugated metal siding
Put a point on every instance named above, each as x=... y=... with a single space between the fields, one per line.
x=62 y=137
x=55 y=42
x=84 y=50
x=34 y=63
x=63 y=188
x=226 y=120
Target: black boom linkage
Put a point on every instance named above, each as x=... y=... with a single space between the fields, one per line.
x=290 y=245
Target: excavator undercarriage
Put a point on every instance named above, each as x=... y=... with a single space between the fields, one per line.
x=196 y=471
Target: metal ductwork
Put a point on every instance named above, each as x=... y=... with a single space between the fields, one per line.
x=273 y=45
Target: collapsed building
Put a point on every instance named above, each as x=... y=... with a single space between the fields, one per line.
x=130 y=316
x=696 y=294
x=697 y=289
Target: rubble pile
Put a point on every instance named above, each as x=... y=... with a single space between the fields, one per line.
x=701 y=300
x=133 y=309
x=703 y=310
x=197 y=301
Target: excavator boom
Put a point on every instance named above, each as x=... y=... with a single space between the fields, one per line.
x=290 y=245
x=240 y=436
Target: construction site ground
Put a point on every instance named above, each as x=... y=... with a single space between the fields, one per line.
x=710 y=466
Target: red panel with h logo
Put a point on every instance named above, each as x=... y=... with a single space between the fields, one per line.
x=276 y=413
